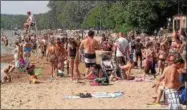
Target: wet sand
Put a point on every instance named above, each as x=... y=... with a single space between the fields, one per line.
x=21 y=95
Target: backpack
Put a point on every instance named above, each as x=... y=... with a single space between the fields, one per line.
x=104 y=80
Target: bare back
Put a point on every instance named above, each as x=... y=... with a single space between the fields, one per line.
x=90 y=45
x=51 y=50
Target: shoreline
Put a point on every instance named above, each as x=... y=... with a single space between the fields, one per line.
x=7 y=58
x=50 y=95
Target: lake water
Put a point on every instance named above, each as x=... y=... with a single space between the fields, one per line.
x=11 y=38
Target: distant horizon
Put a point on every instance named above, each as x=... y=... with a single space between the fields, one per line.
x=21 y=7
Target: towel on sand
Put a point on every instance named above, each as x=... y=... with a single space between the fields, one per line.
x=99 y=95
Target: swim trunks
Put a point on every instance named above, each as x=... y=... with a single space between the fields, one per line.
x=90 y=59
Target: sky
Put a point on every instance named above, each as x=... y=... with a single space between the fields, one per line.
x=21 y=7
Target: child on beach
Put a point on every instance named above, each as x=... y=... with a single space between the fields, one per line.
x=33 y=78
x=5 y=74
x=127 y=68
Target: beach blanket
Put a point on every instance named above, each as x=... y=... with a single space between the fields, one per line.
x=99 y=95
x=107 y=95
x=139 y=79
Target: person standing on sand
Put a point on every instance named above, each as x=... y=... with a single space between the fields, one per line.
x=72 y=51
x=77 y=59
x=148 y=54
x=61 y=54
x=6 y=41
x=16 y=51
x=27 y=48
x=122 y=49
x=52 y=58
x=172 y=83
x=138 y=52
x=89 y=45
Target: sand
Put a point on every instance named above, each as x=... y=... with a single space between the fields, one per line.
x=21 y=95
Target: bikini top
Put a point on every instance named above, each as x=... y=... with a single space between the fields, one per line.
x=28 y=49
x=72 y=52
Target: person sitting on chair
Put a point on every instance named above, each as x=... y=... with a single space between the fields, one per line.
x=30 y=21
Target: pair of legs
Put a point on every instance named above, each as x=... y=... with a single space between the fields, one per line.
x=150 y=65
x=53 y=69
x=121 y=61
x=138 y=57
x=90 y=60
x=77 y=69
x=61 y=64
x=159 y=92
x=71 y=68
x=161 y=65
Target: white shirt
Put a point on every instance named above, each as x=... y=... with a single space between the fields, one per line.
x=123 y=42
x=31 y=17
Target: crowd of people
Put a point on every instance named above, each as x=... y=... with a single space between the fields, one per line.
x=163 y=56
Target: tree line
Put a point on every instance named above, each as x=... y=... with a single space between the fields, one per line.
x=118 y=15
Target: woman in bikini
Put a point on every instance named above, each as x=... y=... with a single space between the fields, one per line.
x=72 y=50
x=27 y=48
x=138 y=52
x=77 y=60
x=176 y=44
x=148 y=54
x=162 y=55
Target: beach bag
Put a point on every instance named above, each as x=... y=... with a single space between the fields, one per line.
x=103 y=78
x=102 y=81
x=183 y=95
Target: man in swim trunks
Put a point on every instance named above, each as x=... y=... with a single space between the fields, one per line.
x=172 y=83
x=30 y=21
x=89 y=45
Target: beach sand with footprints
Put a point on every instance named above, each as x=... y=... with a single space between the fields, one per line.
x=19 y=94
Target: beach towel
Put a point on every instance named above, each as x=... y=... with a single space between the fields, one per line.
x=141 y=80
x=107 y=95
x=72 y=97
x=99 y=95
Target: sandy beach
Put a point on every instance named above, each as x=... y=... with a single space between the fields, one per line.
x=21 y=95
